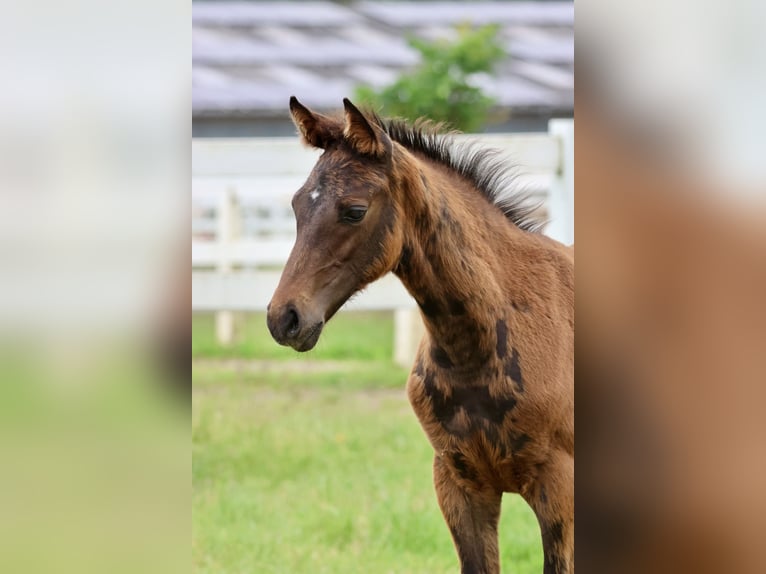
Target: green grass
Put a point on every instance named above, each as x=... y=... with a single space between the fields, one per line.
x=340 y=340
x=346 y=375
x=315 y=463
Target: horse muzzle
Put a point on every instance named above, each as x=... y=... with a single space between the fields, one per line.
x=290 y=327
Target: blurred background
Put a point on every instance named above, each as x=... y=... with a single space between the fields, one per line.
x=671 y=222
x=315 y=462
x=94 y=292
x=250 y=57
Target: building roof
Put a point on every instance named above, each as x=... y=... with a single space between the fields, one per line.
x=250 y=57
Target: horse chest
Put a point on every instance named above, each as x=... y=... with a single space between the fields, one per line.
x=470 y=416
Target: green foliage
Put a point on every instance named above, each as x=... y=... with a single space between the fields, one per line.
x=441 y=87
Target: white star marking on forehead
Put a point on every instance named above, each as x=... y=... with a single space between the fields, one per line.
x=314 y=194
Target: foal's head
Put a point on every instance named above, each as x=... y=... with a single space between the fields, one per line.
x=348 y=230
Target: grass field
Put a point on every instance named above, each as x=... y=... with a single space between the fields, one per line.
x=315 y=463
x=354 y=336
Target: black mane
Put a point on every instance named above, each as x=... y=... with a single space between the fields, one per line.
x=486 y=168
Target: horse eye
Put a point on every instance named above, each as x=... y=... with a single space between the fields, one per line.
x=354 y=214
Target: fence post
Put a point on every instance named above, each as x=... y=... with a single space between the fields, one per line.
x=408 y=330
x=228 y=221
x=561 y=204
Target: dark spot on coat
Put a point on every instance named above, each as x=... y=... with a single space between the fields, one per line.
x=444 y=408
x=543 y=495
x=493 y=437
x=553 y=536
x=498 y=408
x=513 y=370
x=456 y=307
x=554 y=533
x=404 y=259
x=446 y=216
x=448 y=222
x=419 y=368
x=482 y=410
x=462 y=467
x=440 y=357
x=430 y=247
x=502 y=338
x=518 y=442
x=430 y=307
x=421 y=223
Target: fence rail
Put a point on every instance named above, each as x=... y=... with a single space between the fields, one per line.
x=243 y=228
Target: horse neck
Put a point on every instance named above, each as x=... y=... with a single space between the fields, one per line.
x=455 y=251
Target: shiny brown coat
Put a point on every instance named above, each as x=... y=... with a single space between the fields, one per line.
x=493 y=381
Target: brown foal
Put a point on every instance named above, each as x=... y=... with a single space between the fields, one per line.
x=493 y=381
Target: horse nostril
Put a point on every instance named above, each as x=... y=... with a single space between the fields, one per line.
x=292 y=322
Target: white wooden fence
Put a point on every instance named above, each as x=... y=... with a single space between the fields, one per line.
x=243 y=228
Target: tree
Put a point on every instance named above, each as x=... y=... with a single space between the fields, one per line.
x=441 y=87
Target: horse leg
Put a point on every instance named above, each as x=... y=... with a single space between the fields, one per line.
x=552 y=499
x=472 y=516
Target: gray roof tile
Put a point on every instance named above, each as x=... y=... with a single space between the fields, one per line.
x=248 y=58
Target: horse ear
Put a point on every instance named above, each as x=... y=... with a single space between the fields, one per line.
x=365 y=136
x=314 y=128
